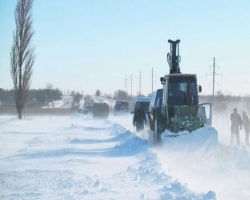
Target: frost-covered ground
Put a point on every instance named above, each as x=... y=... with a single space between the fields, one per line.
x=76 y=157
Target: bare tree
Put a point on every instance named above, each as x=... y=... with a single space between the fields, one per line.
x=22 y=54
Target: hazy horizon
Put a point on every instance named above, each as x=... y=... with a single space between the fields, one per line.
x=90 y=45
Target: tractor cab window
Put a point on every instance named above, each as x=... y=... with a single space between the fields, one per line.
x=182 y=91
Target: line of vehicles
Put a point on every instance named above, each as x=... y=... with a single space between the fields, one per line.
x=174 y=107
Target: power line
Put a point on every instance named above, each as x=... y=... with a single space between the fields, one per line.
x=152 y=79
x=214 y=74
x=126 y=83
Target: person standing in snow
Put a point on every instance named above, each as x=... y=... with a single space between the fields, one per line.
x=139 y=118
x=236 y=124
x=246 y=125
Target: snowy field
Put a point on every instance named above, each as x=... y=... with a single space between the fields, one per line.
x=76 y=157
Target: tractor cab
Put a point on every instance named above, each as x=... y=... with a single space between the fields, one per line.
x=180 y=89
x=180 y=109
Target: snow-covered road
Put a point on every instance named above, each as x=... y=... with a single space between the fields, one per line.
x=81 y=158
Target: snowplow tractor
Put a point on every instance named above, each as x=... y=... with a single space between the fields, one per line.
x=100 y=110
x=180 y=109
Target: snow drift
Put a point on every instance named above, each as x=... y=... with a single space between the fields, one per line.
x=81 y=158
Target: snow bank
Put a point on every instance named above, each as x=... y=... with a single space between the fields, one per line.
x=201 y=141
x=81 y=158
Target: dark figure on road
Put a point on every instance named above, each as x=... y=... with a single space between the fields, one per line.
x=139 y=118
x=236 y=124
x=246 y=125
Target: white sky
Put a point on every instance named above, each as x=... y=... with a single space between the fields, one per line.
x=90 y=45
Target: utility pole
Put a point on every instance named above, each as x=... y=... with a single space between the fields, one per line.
x=214 y=73
x=152 y=79
x=126 y=84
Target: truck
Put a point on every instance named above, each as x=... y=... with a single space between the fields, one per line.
x=179 y=107
x=156 y=99
x=100 y=110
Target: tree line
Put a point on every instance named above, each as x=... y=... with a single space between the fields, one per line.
x=38 y=98
x=42 y=97
x=222 y=102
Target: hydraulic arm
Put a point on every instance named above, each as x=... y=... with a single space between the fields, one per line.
x=174 y=57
